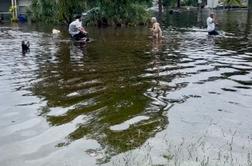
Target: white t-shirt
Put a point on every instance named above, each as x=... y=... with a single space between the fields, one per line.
x=210 y=24
x=74 y=27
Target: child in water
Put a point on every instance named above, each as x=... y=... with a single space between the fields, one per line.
x=156 y=30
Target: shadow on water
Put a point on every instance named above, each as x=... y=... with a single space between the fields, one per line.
x=123 y=84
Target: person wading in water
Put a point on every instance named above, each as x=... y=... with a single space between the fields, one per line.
x=76 y=30
x=211 y=25
x=156 y=30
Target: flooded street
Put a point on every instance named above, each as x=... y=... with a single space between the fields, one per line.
x=126 y=100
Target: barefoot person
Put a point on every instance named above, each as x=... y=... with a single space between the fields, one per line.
x=156 y=30
x=76 y=30
x=211 y=25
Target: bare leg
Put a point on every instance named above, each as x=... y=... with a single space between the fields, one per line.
x=160 y=34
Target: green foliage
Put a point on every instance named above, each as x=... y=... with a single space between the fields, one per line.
x=171 y=3
x=119 y=12
x=67 y=9
x=232 y=2
x=190 y=2
x=43 y=10
x=136 y=14
x=112 y=12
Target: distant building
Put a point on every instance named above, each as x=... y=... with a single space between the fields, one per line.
x=215 y=3
x=5 y=6
x=212 y=3
x=22 y=5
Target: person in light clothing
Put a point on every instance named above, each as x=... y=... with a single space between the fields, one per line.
x=156 y=29
x=211 y=25
x=76 y=30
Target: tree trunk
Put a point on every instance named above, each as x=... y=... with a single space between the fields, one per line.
x=178 y=3
x=250 y=5
x=160 y=7
x=248 y=25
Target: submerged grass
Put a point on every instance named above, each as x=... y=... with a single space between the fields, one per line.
x=199 y=152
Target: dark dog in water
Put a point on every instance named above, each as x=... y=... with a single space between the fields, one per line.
x=25 y=47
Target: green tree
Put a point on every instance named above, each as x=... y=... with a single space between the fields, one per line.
x=118 y=12
x=232 y=2
x=113 y=12
x=190 y=2
x=67 y=9
x=43 y=10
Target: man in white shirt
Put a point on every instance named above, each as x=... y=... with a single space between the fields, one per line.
x=76 y=29
x=211 y=25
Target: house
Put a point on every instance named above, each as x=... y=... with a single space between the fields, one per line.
x=215 y=3
x=5 y=6
x=22 y=5
x=212 y=3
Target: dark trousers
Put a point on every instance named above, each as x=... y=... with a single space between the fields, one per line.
x=80 y=36
x=214 y=32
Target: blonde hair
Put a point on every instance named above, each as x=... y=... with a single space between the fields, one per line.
x=153 y=19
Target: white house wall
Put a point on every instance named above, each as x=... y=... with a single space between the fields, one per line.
x=22 y=5
x=212 y=3
x=24 y=2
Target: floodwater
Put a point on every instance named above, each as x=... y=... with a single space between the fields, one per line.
x=124 y=99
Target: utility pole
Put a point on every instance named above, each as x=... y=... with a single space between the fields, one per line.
x=13 y=10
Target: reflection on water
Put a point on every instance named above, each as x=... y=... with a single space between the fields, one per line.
x=116 y=93
x=106 y=85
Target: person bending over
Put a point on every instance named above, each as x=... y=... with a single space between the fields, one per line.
x=211 y=25
x=76 y=30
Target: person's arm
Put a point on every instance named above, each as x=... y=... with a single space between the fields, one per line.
x=152 y=28
x=157 y=27
x=213 y=20
x=81 y=28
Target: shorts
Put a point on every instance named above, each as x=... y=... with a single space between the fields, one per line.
x=214 y=32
